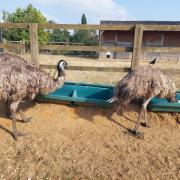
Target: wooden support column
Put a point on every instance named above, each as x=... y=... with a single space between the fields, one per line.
x=4 y=49
x=34 y=46
x=138 y=35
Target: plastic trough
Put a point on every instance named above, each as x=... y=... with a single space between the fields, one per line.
x=97 y=95
x=80 y=94
x=163 y=105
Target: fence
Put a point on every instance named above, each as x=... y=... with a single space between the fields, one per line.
x=136 y=49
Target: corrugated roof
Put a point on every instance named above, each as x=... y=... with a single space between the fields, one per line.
x=140 y=22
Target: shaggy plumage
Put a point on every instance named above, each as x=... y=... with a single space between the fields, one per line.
x=11 y=59
x=20 y=80
x=143 y=83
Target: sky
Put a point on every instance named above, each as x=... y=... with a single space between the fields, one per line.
x=70 y=11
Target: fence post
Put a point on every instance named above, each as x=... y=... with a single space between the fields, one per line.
x=138 y=35
x=4 y=49
x=22 y=51
x=34 y=46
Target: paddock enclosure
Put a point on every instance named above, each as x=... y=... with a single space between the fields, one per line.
x=67 y=142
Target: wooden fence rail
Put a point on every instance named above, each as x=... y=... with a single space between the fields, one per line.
x=84 y=48
x=106 y=69
x=136 y=49
x=89 y=68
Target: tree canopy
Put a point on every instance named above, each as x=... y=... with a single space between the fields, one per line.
x=32 y=15
x=26 y=15
x=58 y=35
x=87 y=37
x=83 y=19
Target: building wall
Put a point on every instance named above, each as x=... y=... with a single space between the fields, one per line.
x=150 y=39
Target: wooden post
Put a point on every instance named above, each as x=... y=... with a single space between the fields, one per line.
x=138 y=35
x=4 y=49
x=22 y=51
x=34 y=46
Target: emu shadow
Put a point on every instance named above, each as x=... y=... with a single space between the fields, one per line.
x=88 y=113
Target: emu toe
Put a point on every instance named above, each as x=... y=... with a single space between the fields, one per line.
x=26 y=120
x=17 y=134
x=136 y=134
x=147 y=125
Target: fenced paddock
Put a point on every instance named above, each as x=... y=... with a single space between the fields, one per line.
x=85 y=142
x=113 y=69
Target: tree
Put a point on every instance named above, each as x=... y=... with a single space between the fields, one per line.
x=27 y=15
x=83 y=19
x=58 y=35
x=87 y=37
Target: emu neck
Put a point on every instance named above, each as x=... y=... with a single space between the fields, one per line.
x=61 y=73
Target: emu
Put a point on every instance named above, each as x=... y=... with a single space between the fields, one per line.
x=21 y=81
x=143 y=83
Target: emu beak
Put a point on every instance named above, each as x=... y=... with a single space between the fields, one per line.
x=66 y=66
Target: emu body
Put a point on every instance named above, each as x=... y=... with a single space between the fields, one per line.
x=143 y=83
x=21 y=80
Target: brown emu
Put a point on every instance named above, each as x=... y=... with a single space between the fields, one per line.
x=143 y=83
x=22 y=80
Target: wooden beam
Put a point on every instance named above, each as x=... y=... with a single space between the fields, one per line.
x=85 y=26
x=138 y=35
x=92 y=26
x=171 y=71
x=12 y=46
x=34 y=46
x=161 y=27
x=89 y=68
x=161 y=49
x=14 y=25
x=84 y=48
x=106 y=69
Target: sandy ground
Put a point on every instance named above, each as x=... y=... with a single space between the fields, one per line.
x=89 y=143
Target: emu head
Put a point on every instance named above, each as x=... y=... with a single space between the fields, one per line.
x=61 y=66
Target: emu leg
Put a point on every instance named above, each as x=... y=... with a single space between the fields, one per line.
x=146 y=122
x=13 y=109
x=25 y=120
x=8 y=112
x=136 y=132
x=143 y=110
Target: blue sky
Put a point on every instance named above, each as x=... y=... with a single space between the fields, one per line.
x=70 y=11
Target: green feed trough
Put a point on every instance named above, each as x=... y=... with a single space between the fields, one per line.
x=163 y=105
x=80 y=94
x=97 y=95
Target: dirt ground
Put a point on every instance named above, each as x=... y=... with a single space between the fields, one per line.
x=89 y=143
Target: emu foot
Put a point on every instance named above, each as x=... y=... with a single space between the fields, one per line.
x=147 y=125
x=136 y=134
x=26 y=120
x=17 y=134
